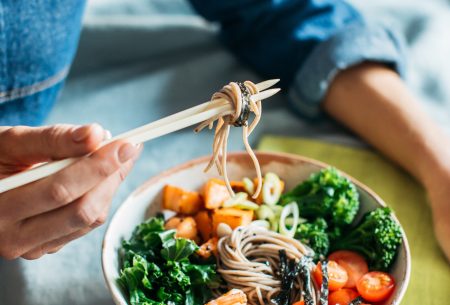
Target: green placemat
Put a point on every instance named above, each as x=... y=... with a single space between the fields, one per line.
x=430 y=276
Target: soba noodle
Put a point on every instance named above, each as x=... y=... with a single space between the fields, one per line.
x=249 y=260
x=238 y=95
x=249 y=257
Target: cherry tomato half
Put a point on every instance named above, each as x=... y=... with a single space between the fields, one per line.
x=375 y=286
x=353 y=263
x=337 y=276
x=342 y=296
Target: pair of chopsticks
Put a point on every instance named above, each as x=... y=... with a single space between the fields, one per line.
x=142 y=134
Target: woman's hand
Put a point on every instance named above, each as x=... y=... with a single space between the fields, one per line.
x=41 y=217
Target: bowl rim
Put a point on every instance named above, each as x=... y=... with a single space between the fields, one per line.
x=239 y=154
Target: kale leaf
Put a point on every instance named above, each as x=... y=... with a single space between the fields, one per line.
x=157 y=268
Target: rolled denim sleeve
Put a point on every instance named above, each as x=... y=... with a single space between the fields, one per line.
x=353 y=44
x=303 y=42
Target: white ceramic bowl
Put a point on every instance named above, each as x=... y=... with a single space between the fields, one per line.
x=146 y=201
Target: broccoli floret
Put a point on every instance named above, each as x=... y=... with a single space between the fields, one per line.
x=377 y=237
x=326 y=194
x=315 y=236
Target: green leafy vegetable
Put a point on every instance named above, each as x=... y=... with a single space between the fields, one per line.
x=314 y=234
x=159 y=269
x=178 y=249
x=326 y=194
x=377 y=237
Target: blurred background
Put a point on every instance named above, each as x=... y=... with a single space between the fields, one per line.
x=139 y=60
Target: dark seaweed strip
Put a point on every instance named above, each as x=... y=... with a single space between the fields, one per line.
x=306 y=279
x=289 y=270
x=324 y=287
x=357 y=301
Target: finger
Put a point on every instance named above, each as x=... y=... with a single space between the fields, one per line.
x=72 y=221
x=54 y=250
x=54 y=246
x=67 y=185
x=30 y=145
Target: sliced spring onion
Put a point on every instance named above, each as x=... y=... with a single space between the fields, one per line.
x=264 y=212
x=271 y=189
x=274 y=224
x=261 y=223
x=290 y=209
x=270 y=213
x=247 y=205
x=277 y=210
x=240 y=201
x=249 y=186
x=290 y=221
x=236 y=199
x=223 y=230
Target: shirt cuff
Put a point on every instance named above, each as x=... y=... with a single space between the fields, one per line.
x=350 y=46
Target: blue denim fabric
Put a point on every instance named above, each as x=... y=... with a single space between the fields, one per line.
x=353 y=44
x=38 y=40
x=303 y=42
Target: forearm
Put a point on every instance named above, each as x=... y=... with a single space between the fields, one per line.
x=373 y=101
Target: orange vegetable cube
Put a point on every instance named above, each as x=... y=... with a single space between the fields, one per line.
x=232 y=297
x=232 y=217
x=215 y=193
x=208 y=248
x=181 y=201
x=204 y=224
x=172 y=223
x=187 y=228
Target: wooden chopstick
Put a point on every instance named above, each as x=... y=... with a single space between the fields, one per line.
x=141 y=134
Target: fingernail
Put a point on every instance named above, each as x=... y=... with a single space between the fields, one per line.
x=127 y=151
x=139 y=148
x=107 y=135
x=80 y=133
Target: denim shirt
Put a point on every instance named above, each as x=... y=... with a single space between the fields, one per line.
x=303 y=42
x=38 y=40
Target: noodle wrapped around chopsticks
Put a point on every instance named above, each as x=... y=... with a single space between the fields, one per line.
x=239 y=96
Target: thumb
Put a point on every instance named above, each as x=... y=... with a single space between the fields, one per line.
x=23 y=145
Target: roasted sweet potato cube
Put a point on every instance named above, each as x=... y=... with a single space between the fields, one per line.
x=232 y=217
x=215 y=193
x=181 y=201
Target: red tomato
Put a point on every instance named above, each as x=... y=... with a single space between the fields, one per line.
x=342 y=297
x=337 y=276
x=375 y=286
x=353 y=263
x=299 y=303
